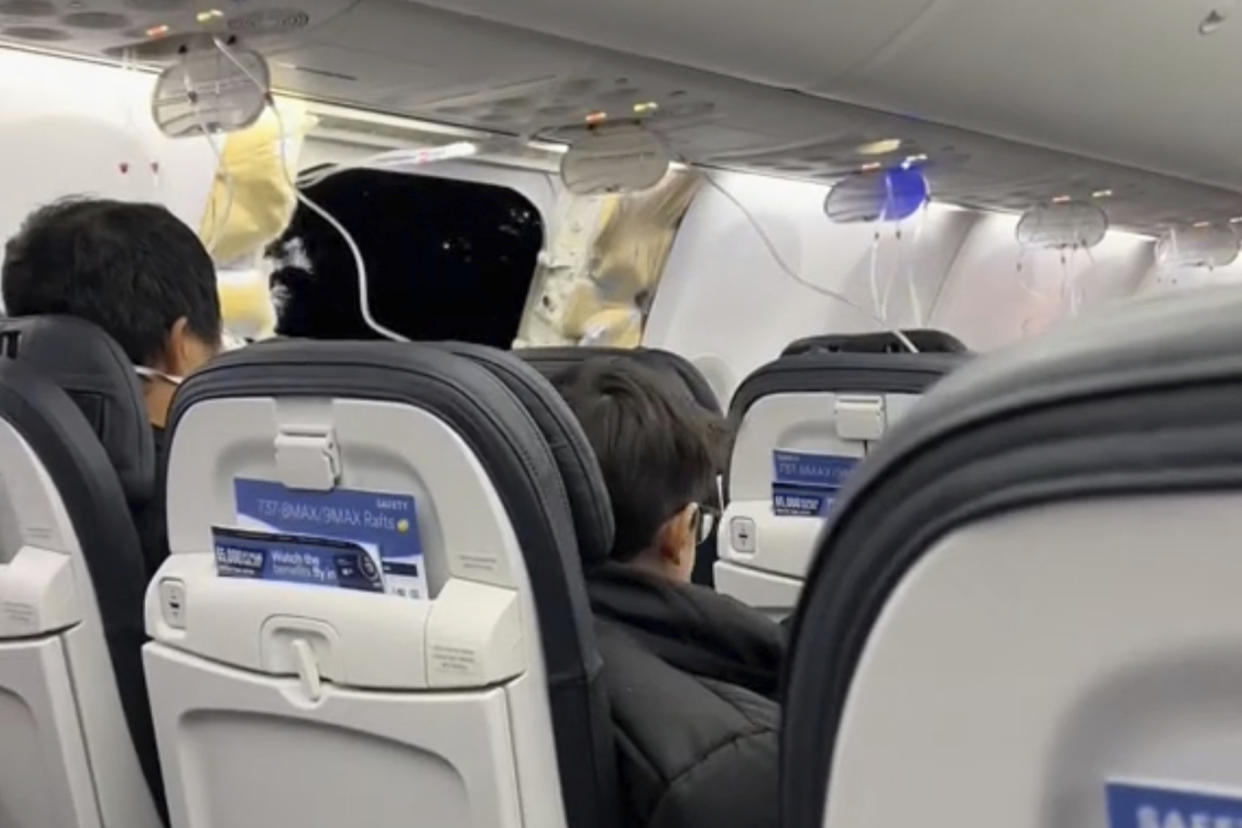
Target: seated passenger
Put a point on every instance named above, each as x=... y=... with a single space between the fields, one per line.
x=692 y=675
x=141 y=275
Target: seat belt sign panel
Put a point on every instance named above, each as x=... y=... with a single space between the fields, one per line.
x=302 y=527
x=1144 y=805
x=805 y=484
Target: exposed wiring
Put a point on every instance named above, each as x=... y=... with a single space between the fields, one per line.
x=891 y=283
x=873 y=277
x=797 y=277
x=364 y=302
x=916 y=303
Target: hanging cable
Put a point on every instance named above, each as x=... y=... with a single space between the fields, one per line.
x=881 y=304
x=916 y=304
x=218 y=217
x=360 y=266
x=784 y=267
x=394 y=160
x=1073 y=287
x=873 y=277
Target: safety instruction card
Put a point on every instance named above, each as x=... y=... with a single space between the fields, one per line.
x=341 y=538
x=806 y=484
x=1158 y=805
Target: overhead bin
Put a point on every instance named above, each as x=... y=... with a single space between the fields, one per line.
x=454 y=65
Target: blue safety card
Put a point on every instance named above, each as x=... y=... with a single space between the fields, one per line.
x=1132 y=805
x=307 y=536
x=805 y=484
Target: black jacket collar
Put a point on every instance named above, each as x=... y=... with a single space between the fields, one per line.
x=691 y=627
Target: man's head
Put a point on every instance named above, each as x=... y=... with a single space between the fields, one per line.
x=656 y=450
x=134 y=270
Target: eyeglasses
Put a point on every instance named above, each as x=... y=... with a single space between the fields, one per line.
x=705 y=520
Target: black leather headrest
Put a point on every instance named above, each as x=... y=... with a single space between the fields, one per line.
x=584 y=482
x=552 y=361
x=883 y=342
x=91 y=368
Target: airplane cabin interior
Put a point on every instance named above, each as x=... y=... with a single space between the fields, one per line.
x=949 y=290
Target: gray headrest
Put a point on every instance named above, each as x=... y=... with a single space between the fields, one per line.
x=584 y=482
x=551 y=362
x=882 y=342
x=92 y=369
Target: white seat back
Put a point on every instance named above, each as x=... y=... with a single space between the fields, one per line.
x=451 y=683
x=1022 y=610
x=74 y=731
x=802 y=423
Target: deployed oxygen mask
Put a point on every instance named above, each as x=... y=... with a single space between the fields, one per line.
x=210 y=91
x=614 y=158
x=1202 y=245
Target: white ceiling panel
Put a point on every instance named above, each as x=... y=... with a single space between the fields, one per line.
x=1129 y=80
x=337 y=73
x=1132 y=80
x=397 y=54
x=778 y=42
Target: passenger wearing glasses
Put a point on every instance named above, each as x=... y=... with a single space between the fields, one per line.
x=692 y=675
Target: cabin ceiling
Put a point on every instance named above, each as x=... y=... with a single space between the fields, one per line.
x=1038 y=92
x=1130 y=80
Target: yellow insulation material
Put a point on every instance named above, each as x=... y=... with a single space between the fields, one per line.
x=256 y=212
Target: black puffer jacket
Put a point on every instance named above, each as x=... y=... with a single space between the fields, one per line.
x=692 y=678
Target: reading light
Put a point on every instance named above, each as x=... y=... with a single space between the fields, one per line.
x=596 y=117
x=209 y=15
x=1102 y=194
x=871 y=166
x=882 y=147
x=157 y=31
x=645 y=108
x=1061 y=199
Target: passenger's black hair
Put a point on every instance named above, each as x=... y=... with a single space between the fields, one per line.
x=132 y=269
x=655 y=446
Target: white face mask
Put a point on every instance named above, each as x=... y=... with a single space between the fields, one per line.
x=153 y=374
